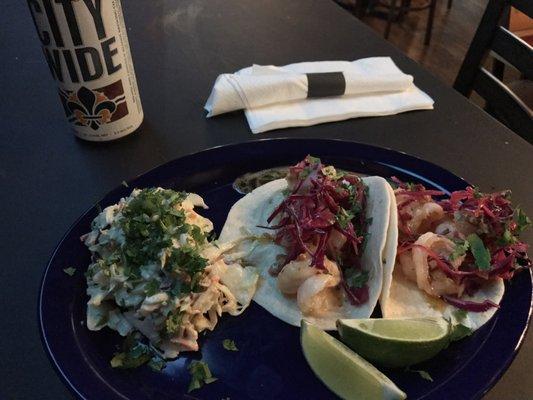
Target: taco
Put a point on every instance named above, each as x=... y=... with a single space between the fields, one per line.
x=318 y=238
x=454 y=254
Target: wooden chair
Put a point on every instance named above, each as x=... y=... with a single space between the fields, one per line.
x=502 y=102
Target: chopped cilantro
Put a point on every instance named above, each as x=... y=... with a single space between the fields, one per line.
x=355 y=278
x=459 y=250
x=477 y=193
x=150 y=222
x=187 y=260
x=507 y=238
x=152 y=287
x=125 y=184
x=344 y=217
x=197 y=234
x=173 y=322
x=133 y=355
x=423 y=374
x=70 y=271
x=522 y=220
x=157 y=363
x=479 y=251
x=200 y=375
x=332 y=173
x=229 y=344
x=313 y=160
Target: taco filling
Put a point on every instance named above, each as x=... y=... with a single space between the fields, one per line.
x=322 y=225
x=456 y=250
x=318 y=237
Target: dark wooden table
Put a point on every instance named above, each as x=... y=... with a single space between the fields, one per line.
x=48 y=177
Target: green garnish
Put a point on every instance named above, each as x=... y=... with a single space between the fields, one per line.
x=134 y=354
x=70 y=271
x=173 y=322
x=522 y=220
x=149 y=222
x=200 y=375
x=459 y=250
x=229 y=344
x=152 y=288
x=479 y=251
x=344 y=217
x=187 y=260
x=332 y=173
x=355 y=278
x=157 y=363
x=125 y=184
x=423 y=374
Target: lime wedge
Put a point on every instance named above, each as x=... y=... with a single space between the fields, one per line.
x=343 y=371
x=395 y=342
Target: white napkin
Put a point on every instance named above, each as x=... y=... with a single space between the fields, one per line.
x=276 y=97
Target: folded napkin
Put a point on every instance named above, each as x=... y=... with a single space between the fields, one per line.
x=279 y=97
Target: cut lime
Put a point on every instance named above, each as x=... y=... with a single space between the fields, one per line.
x=343 y=371
x=395 y=342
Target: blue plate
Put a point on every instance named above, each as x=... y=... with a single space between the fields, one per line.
x=269 y=363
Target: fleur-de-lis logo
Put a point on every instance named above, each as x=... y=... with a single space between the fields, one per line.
x=90 y=108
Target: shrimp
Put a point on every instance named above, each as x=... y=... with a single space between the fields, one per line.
x=319 y=294
x=454 y=229
x=295 y=273
x=428 y=276
x=424 y=216
x=335 y=243
x=418 y=215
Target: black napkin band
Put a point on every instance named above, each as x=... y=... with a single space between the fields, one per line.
x=325 y=84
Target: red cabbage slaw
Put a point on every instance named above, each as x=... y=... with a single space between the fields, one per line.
x=496 y=224
x=321 y=203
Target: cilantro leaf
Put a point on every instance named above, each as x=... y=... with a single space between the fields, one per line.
x=70 y=271
x=459 y=250
x=229 y=344
x=479 y=251
x=344 y=217
x=200 y=375
x=152 y=287
x=507 y=238
x=522 y=220
x=133 y=357
x=173 y=322
x=423 y=374
x=197 y=234
x=157 y=363
x=356 y=278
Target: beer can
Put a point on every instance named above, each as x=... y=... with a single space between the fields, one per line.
x=85 y=44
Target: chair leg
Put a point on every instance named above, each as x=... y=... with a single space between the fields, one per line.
x=450 y=3
x=392 y=9
x=429 y=26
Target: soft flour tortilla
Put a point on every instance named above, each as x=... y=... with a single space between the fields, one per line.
x=254 y=209
x=402 y=298
x=391 y=246
x=405 y=299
